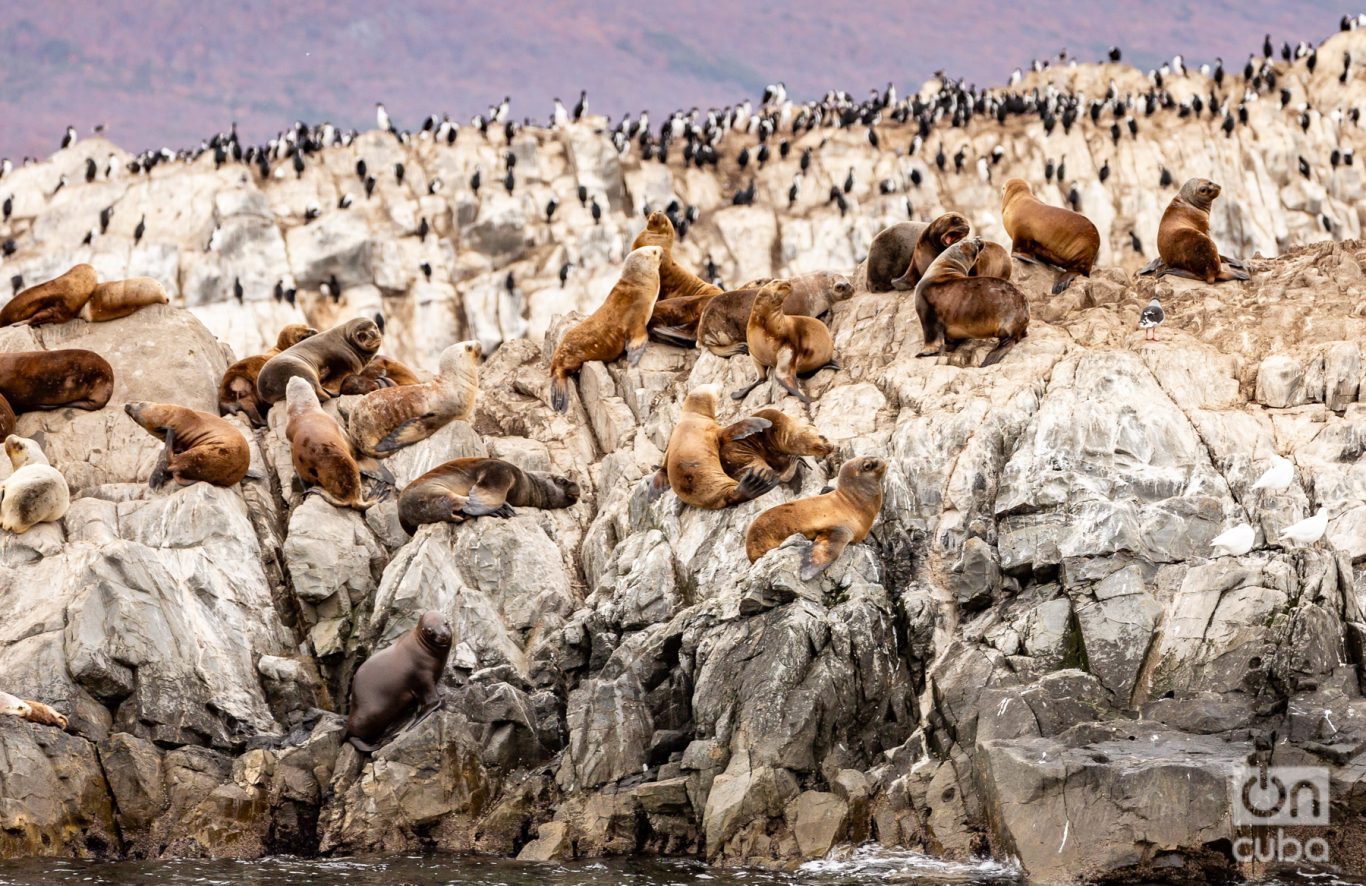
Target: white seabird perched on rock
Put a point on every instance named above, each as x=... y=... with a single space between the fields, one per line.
x=1150 y=319
x=1309 y=530
x=1234 y=542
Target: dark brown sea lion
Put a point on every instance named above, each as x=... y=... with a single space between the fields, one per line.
x=775 y=451
x=905 y=257
x=957 y=306
x=237 y=389
x=32 y=380
x=120 y=298
x=8 y=420
x=199 y=446
x=1060 y=237
x=692 y=462
x=1183 y=241
x=618 y=326
x=397 y=681
x=465 y=488
x=56 y=301
x=380 y=372
x=785 y=346
x=831 y=521
x=325 y=360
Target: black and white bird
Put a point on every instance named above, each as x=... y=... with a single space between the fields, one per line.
x=237 y=291
x=69 y=138
x=597 y=212
x=423 y=229
x=550 y=208
x=140 y=230
x=426 y=269
x=345 y=201
x=1150 y=319
x=475 y=180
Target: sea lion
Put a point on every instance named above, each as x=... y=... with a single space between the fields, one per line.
x=387 y=420
x=783 y=345
x=33 y=711
x=1051 y=234
x=8 y=420
x=56 y=301
x=1183 y=241
x=908 y=248
x=389 y=684
x=722 y=329
x=675 y=281
x=237 y=389
x=618 y=325
x=320 y=450
x=831 y=521
x=198 y=447
x=324 y=359
x=472 y=487
x=952 y=304
x=774 y=451
x=692 y=462
x=35 y=493
x=110 y=301
x=992 y=261
x=380 y=372
x=72 y=377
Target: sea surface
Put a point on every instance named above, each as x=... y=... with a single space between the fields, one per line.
x=863 y=866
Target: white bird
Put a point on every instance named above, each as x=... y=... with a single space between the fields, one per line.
x=1277 y=477
x=1307 y=531
x=382 y=117
x=1234 y=542
x=560 y=115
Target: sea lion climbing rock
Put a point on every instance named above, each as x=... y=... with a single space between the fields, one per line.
x=397 y=681
x=320 y=450
x=784 y=346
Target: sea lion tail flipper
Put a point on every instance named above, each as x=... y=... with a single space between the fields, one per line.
x=375 y=469
x=786 y=375
x=746 y=427
x=483 y=501
x=635 y=349
x=1151 y=267
x=363 y=746
x=1232 y=273
x=742 y=393
x=825 y=549
x=559 y=394
x=674 y=335
x=1233 y=262
x=414 y=430
x=995 y=354
x=657 y=484
x=753 y=483
x=1063 y=282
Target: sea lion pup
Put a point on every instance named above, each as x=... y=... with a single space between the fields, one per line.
x=199 y=446
x=675 y=281
x=775 y=451
x=722 y=329
x=692 y=462
x=617 y=326
x=783 y=345
x=389 y=419
x=903 y=259
x=956 y=306
x=473 y=487
x=56 y=301
x=110 y=301
x=992 y=261
x=237 y=389
x=1183 y=241
x=321 y=453
x=33 y=711
x=35 y=493
x=398 y=679
x=8 y=419
x=380 y=372
x=1060 y=237
x=324 y=360
x=831 y=521
x=72 y=377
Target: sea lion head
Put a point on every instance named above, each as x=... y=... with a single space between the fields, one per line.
x=23 y=451
x=948 y=229
x=294 y=333
x=862 y=471
x=14 y=706
x=1200 y=193
x=300 y=396
x=145 y=414
x=643 y=262
x=1013 y=188
x=434 y=631
x=563 y=491
x=461 y=358
x=841 y=288
x=774 y=292
x=659 y=223
x=702 y=400
x=364 y=336
x=956 y=261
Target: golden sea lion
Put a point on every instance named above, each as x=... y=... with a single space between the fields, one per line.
x=110 y=301
x=33 y=711
x=56 y=301
x=1183 y=241
x=785 y=346
x=199 y=446
x=1051 y=234
x=380 y=372
x=831 y=521
x=325 y=360
x=320 y=450
x=723 y=326
x=464 y=488
x=775 y=451
x=675 y=281
x=387 y=420
x=958 y=306
x=692 y=462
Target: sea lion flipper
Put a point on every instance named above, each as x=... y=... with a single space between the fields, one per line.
x=742 y=393
x=414 y=430
x=1152 y=267
x=1233 y=272
x=825 y=549
x=753 y=483
x=674 y=335
x=635 y=349
x=1063 y=282
x=658 y=484
x=161 y=474
x=483 y=501
x=559 y=394
x=1233 y=262
x=746 y=427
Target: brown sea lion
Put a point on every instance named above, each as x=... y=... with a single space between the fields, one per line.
x=56 y=301
x=906 y=257
x=992 y=261
x=387 y=420
x=724 y=324
x=775 y=451
x=8 y=420
x=472 y=487
x=380 y=372
x=957 y=306
x=324 y=359
x=692 y=462
x=32 y=380
x=1051 y=234
x=617 y=326
x=199 y=446
x=784 y=346
x=110 y=301
x=35 y=493
x=399 y=680
x=320 y=450
x=831 y=521
x=1183 y=241
x=237 y=389
x=675 y=281
x=33 y=711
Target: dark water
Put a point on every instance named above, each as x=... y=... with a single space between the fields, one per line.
x=864 y=866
